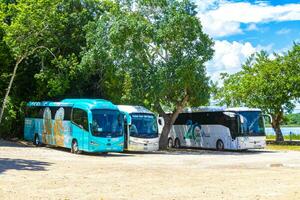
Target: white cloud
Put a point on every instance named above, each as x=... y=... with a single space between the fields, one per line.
x=229 y=57
x=283 y=31
x=223 y=18
x=252 y=27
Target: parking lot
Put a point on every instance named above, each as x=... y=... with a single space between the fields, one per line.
x=28 y=172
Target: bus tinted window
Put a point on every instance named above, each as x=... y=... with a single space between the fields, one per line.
x=67 y=112
x=80 y=118
x=34 y=112
x=209 y=118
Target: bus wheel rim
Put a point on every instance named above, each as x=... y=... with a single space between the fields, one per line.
x=75 y=146
x=220 y=145
x=176 y=143
x=170 y=143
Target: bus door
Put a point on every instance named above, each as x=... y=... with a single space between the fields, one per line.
x=233 y=124
x=81 y=128
x=127 y=124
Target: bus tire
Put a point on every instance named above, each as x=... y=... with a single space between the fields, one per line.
x=74 y=147
x=177 y=143
x=36 y=140
x=220 y=145
x=170 y=143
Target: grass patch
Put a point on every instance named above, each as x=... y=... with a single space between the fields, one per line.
x=283 y=147
x=286 y=137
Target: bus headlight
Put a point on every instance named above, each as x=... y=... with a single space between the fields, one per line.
x=120 y=144
x=94 y=143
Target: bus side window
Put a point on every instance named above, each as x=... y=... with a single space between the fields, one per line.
x=53 y=111
x=80 y=118
x=34 y=112
x=68 y=111
x=40 y=112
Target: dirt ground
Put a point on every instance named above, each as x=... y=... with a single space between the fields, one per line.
x=28 y=172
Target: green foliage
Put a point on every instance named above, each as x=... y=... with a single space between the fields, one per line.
x=150 y=53
x=152 y=49
x=50 y=36
x=270 y=84
x=293 y=119
x=132 y=52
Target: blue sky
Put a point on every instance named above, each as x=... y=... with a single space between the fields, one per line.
x=240 y=28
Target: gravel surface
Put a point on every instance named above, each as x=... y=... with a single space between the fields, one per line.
x=28 y=172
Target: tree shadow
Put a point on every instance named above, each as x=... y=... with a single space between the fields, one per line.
x=21 y=164
x=104 y=154
x=15 y=143
x=200 y=151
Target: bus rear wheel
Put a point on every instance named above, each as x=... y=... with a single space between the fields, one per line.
x=220 y=145
x=75 y=148
x=36 y=140
x=177 y=143
x=170 y=143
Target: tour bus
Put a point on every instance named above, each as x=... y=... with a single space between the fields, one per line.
x=219 y=128
x=79 y=124
x=143 y=132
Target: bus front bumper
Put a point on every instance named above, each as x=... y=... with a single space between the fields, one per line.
x=106 y=145
x=143 y=146
x=257 y=142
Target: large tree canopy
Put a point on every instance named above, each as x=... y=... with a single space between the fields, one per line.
x=270 y=84
x=156 y=51
x=42 y=41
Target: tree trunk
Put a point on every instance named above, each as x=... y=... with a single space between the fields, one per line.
x=276 y=126
x=169 y=121
x=9 y=88
x=163 y=141
x=19 y=60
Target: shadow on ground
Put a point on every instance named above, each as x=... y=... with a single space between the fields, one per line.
x=172 y=151
x=105 y=154
x=15 y=143
x=198 y=151
x=21 y=164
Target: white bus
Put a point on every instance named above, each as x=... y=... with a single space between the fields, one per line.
x=142 y=134
x=219 y=128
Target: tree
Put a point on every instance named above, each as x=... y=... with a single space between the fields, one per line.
x=151 y=53
x=270 y=84
x=25 y=30
x=45 y=47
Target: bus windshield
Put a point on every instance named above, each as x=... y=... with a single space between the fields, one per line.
x=252 y=123
x=107 y=123
x=143 y=126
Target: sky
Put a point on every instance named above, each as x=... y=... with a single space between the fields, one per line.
x=240 y=28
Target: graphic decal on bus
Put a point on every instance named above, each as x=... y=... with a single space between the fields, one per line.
x=58 y=127
x=193 y=133
x=47 y=133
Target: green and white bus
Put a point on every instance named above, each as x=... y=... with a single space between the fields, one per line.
x=219 y=128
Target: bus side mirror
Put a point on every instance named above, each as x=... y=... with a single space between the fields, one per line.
x=242 y=119
x=161 y=124
x=269 y=117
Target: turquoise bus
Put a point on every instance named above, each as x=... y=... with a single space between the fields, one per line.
x=90 y=125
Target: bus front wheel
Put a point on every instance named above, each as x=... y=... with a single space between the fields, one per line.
x=75 y=148
x=220 y=145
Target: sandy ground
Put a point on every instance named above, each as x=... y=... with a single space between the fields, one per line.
x=50 y=173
